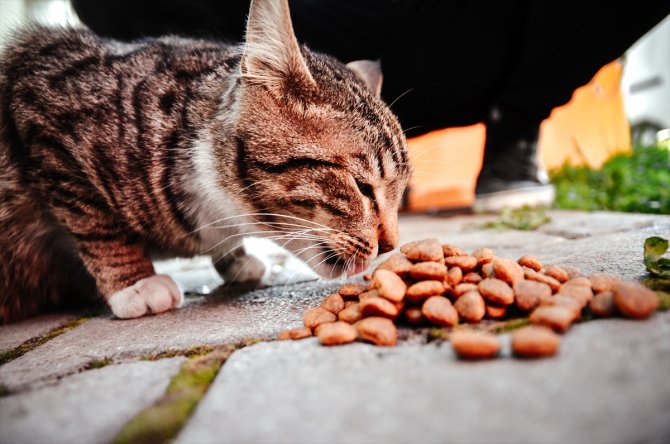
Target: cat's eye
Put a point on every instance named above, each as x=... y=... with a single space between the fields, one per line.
x=366 y=190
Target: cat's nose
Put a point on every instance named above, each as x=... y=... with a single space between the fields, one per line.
x=385 y=247
x=387 y=238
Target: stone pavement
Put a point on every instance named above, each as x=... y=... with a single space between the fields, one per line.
x=610 y=383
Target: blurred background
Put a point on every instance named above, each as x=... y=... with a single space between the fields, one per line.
x=624 y=110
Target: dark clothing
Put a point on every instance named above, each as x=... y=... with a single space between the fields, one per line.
x=445 y=63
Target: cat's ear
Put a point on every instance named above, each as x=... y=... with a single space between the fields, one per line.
x=370 y=72
x=271 y=52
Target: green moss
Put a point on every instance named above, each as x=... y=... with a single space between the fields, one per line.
x=162 y=421
x=663 y=300
x=510 y=325
x=98 y=363
x=4 y=391
x=33 y=343
x=197 y=350
x=525 y=218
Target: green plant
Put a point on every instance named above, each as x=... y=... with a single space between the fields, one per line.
x=525 y=218
x=633 y=182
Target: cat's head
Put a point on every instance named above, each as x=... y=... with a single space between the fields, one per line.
x=318 y=151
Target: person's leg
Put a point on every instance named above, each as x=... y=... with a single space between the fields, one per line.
x=348 y=30
x=563 y=47
x=133 y=19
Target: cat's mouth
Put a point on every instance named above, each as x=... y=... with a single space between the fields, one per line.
x=336 y=266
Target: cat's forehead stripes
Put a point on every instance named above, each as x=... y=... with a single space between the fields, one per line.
x=346 y=93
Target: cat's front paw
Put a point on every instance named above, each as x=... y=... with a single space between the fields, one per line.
x=151 y=295
x=245 y=269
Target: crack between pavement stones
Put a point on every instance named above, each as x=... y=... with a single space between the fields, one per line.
x=163 y=420
x=33 y=343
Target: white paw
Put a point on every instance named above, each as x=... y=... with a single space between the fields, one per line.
x=245 y=269
x=154 y=294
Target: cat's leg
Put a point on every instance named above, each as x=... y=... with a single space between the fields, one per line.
x=126 y=277
x=40 y=269
x=239 y=267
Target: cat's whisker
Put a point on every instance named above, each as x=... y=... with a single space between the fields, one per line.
x=401 y=96
x=251 y=215
x=412 y=127
x=277 y=226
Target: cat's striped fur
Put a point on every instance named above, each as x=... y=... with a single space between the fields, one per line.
x=112 y=153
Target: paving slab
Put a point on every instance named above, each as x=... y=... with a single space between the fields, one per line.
x=13 y=335
x=232 y=315
x=87 y=408
x=578 y=224
x=616 y=244
x=609 y=384
x=222 y=317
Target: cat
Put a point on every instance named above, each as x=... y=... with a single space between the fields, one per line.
x=113 y=154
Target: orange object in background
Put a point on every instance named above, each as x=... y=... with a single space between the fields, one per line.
x=587 y=130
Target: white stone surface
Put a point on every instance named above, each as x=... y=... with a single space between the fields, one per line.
x=85 y=408
x=609 y=384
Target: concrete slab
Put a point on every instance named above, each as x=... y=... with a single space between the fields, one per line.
x=222 y=317
x=13 y=335
x=578 y=224
x=609 y=384
x=232 y=315
x=615 y=246
x=87 y=408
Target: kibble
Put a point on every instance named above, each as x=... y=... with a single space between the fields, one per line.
x=603 y=282
x=472 y=278
x=465 y=263
x=496 y=291
x=389 y=285
x=439 y=311
x=397 y=263
x=440 y=284
x=557 y=273
x=454 y=276
x=333 y=303
x=496 y=311
x=461 y=289
x=533 y=275
x=603 y=304
x=378 y=307
x=535 y=341
x=530 y=294
x=634 y=300
x=379 y=331
x=579 y=293
x=316 y=316
x=555 y=317
x=531 y=262
x=414 y=316
x=474 y=344
x=351 y=290
x=351 y=314
x=507 y=270
x=566 y=302
x=470 y=307
x=452 y=250
x=419 y=292
x=336 y=333
x=295 y=333
x=423 y=250
x=428 y=270
x=483 y=255
x=374 y=293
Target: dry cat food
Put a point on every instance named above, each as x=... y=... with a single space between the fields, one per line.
x=432 y=284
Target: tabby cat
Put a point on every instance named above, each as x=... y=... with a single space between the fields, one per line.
x=112 y=154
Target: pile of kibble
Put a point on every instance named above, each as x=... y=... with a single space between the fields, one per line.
x=429 y=283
